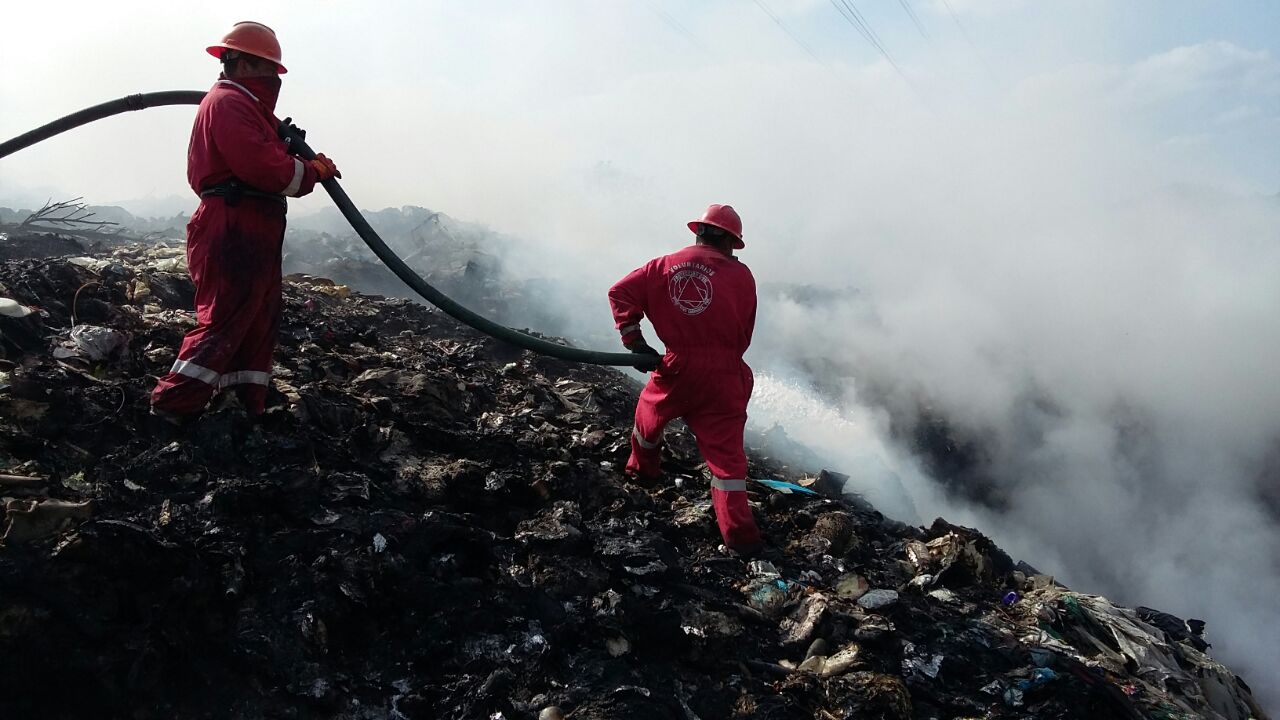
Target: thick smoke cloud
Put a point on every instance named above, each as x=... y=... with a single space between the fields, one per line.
x=1085 y=301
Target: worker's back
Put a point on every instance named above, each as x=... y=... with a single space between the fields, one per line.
x=702 y=303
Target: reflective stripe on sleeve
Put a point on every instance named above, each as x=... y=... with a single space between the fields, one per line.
x=189 y=369
x=295 y=184
x=628 y=329
x=635 y=433
x=245 y=377
x=729 y=485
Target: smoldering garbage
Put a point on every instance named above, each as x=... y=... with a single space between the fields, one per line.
x=429 y=524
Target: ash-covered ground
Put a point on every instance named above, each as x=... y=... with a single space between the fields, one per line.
x=429 y=524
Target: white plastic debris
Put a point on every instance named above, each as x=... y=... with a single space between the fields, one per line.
x=944 y=595
x=97 y=342
x=379 y=543
x=177 y=264
x=763 y=568
x=11 y=308
x=633 y=688
x=535 y=642
x=90 y=341
x=929 y=665
x=922 y=580
x=92 y=264
x=840 y=663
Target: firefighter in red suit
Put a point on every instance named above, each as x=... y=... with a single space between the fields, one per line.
x=243 y=172
x=702 y=303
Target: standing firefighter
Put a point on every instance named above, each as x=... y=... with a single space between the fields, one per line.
x=702 y=302
x=242 y=172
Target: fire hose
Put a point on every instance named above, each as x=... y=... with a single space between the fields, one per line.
x=353 y=216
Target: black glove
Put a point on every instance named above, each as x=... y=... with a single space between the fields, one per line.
x=649 y=358
x=287 y=130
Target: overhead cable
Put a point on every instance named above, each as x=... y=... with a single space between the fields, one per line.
x=915 y=19
x=785 y=29
x=856 y=20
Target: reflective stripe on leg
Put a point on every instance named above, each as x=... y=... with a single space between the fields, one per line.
x=729 y=485
x=635 y=432
x=245 y=377
x=189 y=369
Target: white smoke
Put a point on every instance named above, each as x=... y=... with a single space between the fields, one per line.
x=1089 y=301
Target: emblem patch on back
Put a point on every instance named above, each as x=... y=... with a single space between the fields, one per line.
x=690 y=290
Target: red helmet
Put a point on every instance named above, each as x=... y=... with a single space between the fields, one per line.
x=725 y=218
x=252 y=38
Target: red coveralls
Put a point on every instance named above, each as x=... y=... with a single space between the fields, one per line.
x=702 y=303
x=234 y=251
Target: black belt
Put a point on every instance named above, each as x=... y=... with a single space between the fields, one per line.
x=232 y=191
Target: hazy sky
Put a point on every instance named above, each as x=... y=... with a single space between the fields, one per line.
x=487 y=108
x=1062 y=212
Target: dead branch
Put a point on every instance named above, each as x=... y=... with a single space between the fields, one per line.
x=67 y=214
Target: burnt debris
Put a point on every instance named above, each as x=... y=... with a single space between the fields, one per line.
x=429 y=524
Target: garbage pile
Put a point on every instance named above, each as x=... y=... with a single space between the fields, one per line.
x=429 y=524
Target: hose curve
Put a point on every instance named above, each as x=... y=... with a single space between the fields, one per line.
x=350 y=212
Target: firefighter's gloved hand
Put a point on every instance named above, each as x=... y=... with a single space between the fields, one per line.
x=650 y=357
x=640 y=347
x=288 y=129
x=324 y=167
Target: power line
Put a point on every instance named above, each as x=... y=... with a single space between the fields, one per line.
x=968 y=40
x=862 y=20
x=915 y=19
x=673 y=23
x=785 y=29
x=960 y=25
x=855 y=18
x=850 y=13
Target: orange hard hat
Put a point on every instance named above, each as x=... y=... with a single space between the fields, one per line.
x=725 y=218
x=253 y=38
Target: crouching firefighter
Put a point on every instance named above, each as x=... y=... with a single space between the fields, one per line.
x=243 y=172
x=702 y=303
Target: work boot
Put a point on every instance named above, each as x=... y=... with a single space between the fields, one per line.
x=737 y=524
x=745 y=550
x=171 y=418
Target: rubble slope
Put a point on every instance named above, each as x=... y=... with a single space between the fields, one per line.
x=429 y=524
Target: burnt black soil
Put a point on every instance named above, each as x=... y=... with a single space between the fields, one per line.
x=429 y=524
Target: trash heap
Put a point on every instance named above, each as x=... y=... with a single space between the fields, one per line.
x=429 y=524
